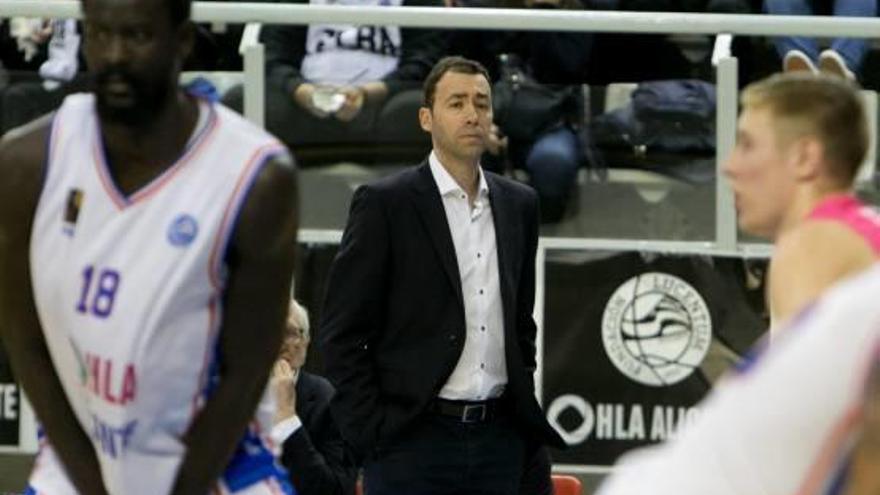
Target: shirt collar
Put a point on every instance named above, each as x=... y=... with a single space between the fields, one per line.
x=446 y=184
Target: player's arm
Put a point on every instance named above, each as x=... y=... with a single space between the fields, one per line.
x=809 y=260
x=22 y=157
x=260 y=259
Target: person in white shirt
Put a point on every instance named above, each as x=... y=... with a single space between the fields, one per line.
x=427 y=328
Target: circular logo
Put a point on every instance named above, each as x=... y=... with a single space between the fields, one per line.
x=183 y=230
x=656 y=329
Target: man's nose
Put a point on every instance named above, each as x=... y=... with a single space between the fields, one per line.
x=727 y=167
x=470 y=113
x=115 y=49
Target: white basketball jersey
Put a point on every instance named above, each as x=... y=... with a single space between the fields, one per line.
x=785 y=423
x=128 y=290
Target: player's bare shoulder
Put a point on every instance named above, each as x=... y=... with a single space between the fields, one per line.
x=23 y=157
x=830 y=244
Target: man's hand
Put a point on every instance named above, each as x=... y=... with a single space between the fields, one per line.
x=303 y=96
x=283 y=385
x=354 y=102
x=495 y=142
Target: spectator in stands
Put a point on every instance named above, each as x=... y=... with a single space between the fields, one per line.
x=328 y=83
x=312 y=448
x=52 y=49
x=845 y=55
x=551 y=154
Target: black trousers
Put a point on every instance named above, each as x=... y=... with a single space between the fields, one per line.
x=440 y=455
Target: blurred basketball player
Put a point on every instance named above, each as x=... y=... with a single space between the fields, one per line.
x=146 y=245
x=800 y=142
x=784 y=423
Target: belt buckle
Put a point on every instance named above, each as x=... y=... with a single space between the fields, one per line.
x=474 y=413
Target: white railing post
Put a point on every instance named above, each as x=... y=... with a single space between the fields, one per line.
x=254 y=87
x=727 y=96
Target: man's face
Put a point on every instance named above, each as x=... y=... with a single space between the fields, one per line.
x=761 y=173
x=134 y=54
x=461 y=116
x=294 y=344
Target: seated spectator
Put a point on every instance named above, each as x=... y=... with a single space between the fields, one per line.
x=844 y=57
x=53 y=48
x=329 y=83
x=312 y=448
x=551 y=153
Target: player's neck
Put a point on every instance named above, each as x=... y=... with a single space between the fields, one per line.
x=805 y=201
x=156 y=144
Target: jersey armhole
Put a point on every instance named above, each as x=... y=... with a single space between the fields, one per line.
x=258 y=160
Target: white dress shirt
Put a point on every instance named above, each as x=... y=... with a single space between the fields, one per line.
x=481 y=372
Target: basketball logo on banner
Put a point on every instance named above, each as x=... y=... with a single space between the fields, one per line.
x=656 y=329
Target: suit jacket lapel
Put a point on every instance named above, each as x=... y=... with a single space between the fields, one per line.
x=430 y=207
x=508 y=250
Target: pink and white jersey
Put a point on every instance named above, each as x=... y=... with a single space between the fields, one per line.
x=848 y=210
x=128 y=290
x=784 y=424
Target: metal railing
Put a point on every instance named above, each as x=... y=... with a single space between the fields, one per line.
x=479 y=18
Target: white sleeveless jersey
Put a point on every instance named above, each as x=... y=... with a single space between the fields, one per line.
x=785 y=423
x=129 y=290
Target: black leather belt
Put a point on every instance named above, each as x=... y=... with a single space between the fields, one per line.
x=467 y=411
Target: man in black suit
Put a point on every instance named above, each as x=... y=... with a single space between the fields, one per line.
x=427 y=332
x=312 y=448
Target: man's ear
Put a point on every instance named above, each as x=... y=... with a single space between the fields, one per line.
x=426 y=119
x=186 y=37
x=808 y=158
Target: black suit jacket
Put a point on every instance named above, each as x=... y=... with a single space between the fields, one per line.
x=393 y=319
x=315 y=455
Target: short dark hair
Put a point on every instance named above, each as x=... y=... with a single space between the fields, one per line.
x=456 y=64
x=828 y=108
x=179 y=11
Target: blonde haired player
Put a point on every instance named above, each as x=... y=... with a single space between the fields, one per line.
x=800 y=142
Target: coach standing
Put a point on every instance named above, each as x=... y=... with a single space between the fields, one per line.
x=428 y=332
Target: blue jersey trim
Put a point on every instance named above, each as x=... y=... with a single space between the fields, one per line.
x=253 y=463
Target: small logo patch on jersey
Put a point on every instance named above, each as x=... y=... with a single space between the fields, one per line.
x=71 y=211
x=183 y=230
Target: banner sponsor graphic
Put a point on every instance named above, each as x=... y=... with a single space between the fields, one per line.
x=10 y=405
x=633 y=341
